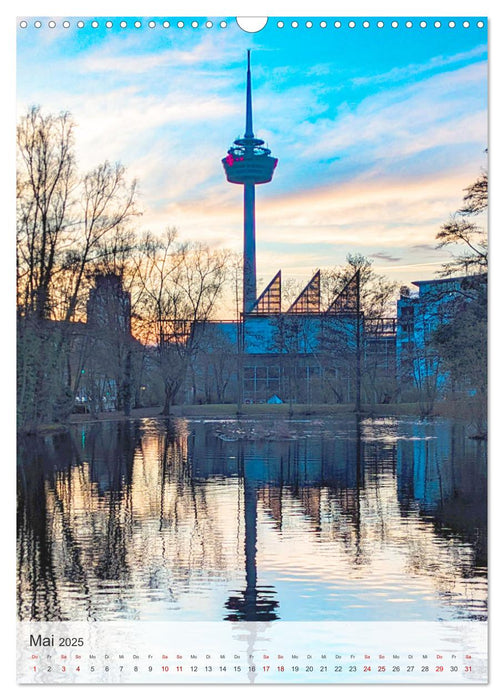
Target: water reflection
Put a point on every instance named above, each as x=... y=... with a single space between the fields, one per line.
x=208 y=520
x=253 y=603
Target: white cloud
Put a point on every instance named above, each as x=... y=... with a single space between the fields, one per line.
x=382 y=171
x=401 y=121
x=413 y=69
x=132 y=55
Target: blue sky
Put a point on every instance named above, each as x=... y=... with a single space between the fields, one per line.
x=377 y=130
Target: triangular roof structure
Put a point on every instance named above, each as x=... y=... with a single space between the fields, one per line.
x=346 y=302
x=270 y=301
x=308 y=302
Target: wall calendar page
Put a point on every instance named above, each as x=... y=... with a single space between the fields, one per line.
x=251 y=350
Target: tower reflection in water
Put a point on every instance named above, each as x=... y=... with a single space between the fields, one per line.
x=254 y=603
x=206 y=520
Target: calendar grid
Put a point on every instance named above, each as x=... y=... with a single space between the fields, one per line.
x=253 y=653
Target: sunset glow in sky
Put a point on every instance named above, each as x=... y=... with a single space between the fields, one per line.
x=377 y=130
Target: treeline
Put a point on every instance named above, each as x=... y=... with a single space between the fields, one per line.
x=68 y=225
x=102 y=308
x=73 y=229
x=460 y=342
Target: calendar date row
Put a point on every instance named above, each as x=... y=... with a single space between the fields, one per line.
x=308 y=668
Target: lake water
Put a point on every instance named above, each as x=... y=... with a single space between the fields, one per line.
x=325 y=519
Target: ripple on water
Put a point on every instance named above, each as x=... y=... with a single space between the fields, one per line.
x=160 y=521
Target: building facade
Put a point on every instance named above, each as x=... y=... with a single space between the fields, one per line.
x=419 y=315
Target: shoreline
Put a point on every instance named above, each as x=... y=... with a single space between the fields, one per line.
x=446 y=409
x=230 y=411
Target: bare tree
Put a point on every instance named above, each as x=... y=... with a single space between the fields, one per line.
x=291 y=289
x=459 y=340
x=214 y=365
x=355 y=336
x=46 y=181
x=106 y=203
x=377 y=292
x=181 y=285
x=63 y=223
x=466 y=229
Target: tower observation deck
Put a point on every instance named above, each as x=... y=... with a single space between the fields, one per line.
x=249 y=163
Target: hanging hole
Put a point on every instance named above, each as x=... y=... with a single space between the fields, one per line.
x=251 y=24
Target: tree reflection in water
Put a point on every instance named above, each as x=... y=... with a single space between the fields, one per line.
x=174 y=520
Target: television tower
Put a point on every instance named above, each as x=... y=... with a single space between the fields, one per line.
x=249 y=163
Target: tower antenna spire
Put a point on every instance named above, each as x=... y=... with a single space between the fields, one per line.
x=249 y=131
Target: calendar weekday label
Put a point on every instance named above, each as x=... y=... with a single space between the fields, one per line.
x=252 y=652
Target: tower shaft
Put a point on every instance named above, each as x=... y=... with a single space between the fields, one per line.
x=249 y=248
